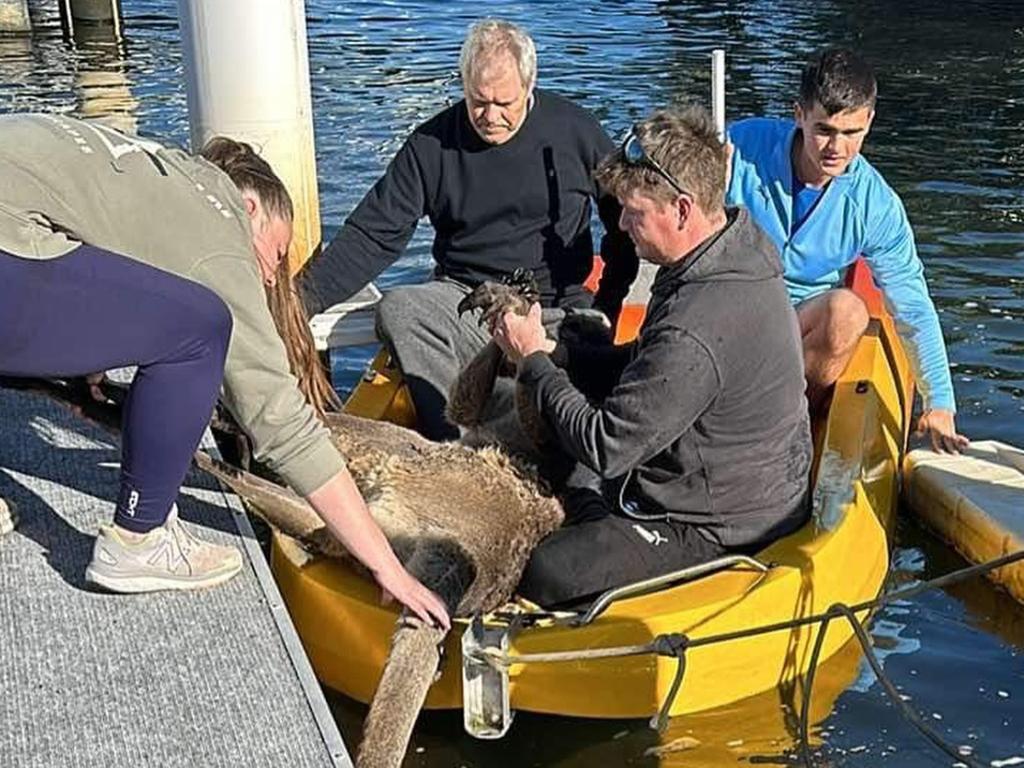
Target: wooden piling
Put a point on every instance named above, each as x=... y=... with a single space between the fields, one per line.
x=14 y=16
x=75 y=14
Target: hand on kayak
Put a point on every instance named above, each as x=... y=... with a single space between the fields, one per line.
x=940 y=425
x=398 y=584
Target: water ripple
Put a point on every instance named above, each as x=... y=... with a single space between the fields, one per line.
x=949 y=136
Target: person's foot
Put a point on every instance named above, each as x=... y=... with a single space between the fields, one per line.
x=8 y=516
x=168 y=557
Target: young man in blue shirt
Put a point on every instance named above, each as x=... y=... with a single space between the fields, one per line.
x=823 y=204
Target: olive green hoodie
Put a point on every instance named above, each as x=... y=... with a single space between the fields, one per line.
x=64 y=182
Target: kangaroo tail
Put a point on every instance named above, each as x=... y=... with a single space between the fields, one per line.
x=410 y=671
x=412 y=665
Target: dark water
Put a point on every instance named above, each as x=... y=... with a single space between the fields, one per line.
x=949 y=137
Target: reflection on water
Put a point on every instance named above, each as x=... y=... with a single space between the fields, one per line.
x=102 y=88
x=759 y=730
x=949 y=137
x=86 y=77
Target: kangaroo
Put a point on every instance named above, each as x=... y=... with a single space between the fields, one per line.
x=462 y=520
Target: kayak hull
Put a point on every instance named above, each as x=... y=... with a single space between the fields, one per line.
x=841 y=556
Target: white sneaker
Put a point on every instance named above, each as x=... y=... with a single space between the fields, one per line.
x=8 y=516
x=168 y=557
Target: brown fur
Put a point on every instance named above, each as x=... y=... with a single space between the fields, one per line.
x=479 y=497
x=525 y=434
x=468 y=397
x=409 y=671
x=471 y=391
x=421 y=490
x=463 y=520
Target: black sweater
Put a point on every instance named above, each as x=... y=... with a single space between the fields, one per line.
x=704 y=417
x=494 y=208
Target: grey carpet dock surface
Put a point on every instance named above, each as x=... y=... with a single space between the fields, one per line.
x=165 y=679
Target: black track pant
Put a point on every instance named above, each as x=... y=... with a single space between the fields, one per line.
x=93 y=310
x=600 y=548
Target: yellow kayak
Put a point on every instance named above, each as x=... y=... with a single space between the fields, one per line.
x=841 y=556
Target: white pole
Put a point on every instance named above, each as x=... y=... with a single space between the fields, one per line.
x=718 y=91
x=247 y=75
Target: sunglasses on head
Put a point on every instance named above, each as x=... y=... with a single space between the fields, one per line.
x=633 y=153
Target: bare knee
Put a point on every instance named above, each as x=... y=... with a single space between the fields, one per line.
x=848 y=319
x=834 y=322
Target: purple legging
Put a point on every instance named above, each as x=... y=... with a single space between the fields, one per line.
x=93 y=310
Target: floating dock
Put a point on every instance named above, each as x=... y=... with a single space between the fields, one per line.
x=209 y=678
x=975 y=501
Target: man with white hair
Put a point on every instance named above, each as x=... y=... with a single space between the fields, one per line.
x=505 y=177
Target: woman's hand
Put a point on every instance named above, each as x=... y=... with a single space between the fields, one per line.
x=340 y=505
x=400 y=585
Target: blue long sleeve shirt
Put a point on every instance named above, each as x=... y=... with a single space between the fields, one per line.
x=858 y=214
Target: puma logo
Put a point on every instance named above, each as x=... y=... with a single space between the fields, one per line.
x=654 y=538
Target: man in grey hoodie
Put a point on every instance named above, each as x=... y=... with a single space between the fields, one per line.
x=698 y=430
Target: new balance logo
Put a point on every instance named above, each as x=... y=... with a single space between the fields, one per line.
x=169 y=554
x=654 y=538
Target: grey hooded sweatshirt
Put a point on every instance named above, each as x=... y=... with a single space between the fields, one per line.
x=703 y=419
x=64 y=182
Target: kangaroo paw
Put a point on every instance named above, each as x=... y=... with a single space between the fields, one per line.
x=515 y=294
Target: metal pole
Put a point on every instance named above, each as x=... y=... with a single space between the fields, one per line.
x=718 y=91
x=14 y=16
x=247 y=77
x=75 y=14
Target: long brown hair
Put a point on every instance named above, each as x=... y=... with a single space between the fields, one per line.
x=292 y=323
x=250 y=172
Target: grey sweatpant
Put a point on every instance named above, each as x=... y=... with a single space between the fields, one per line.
x=431 y=343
